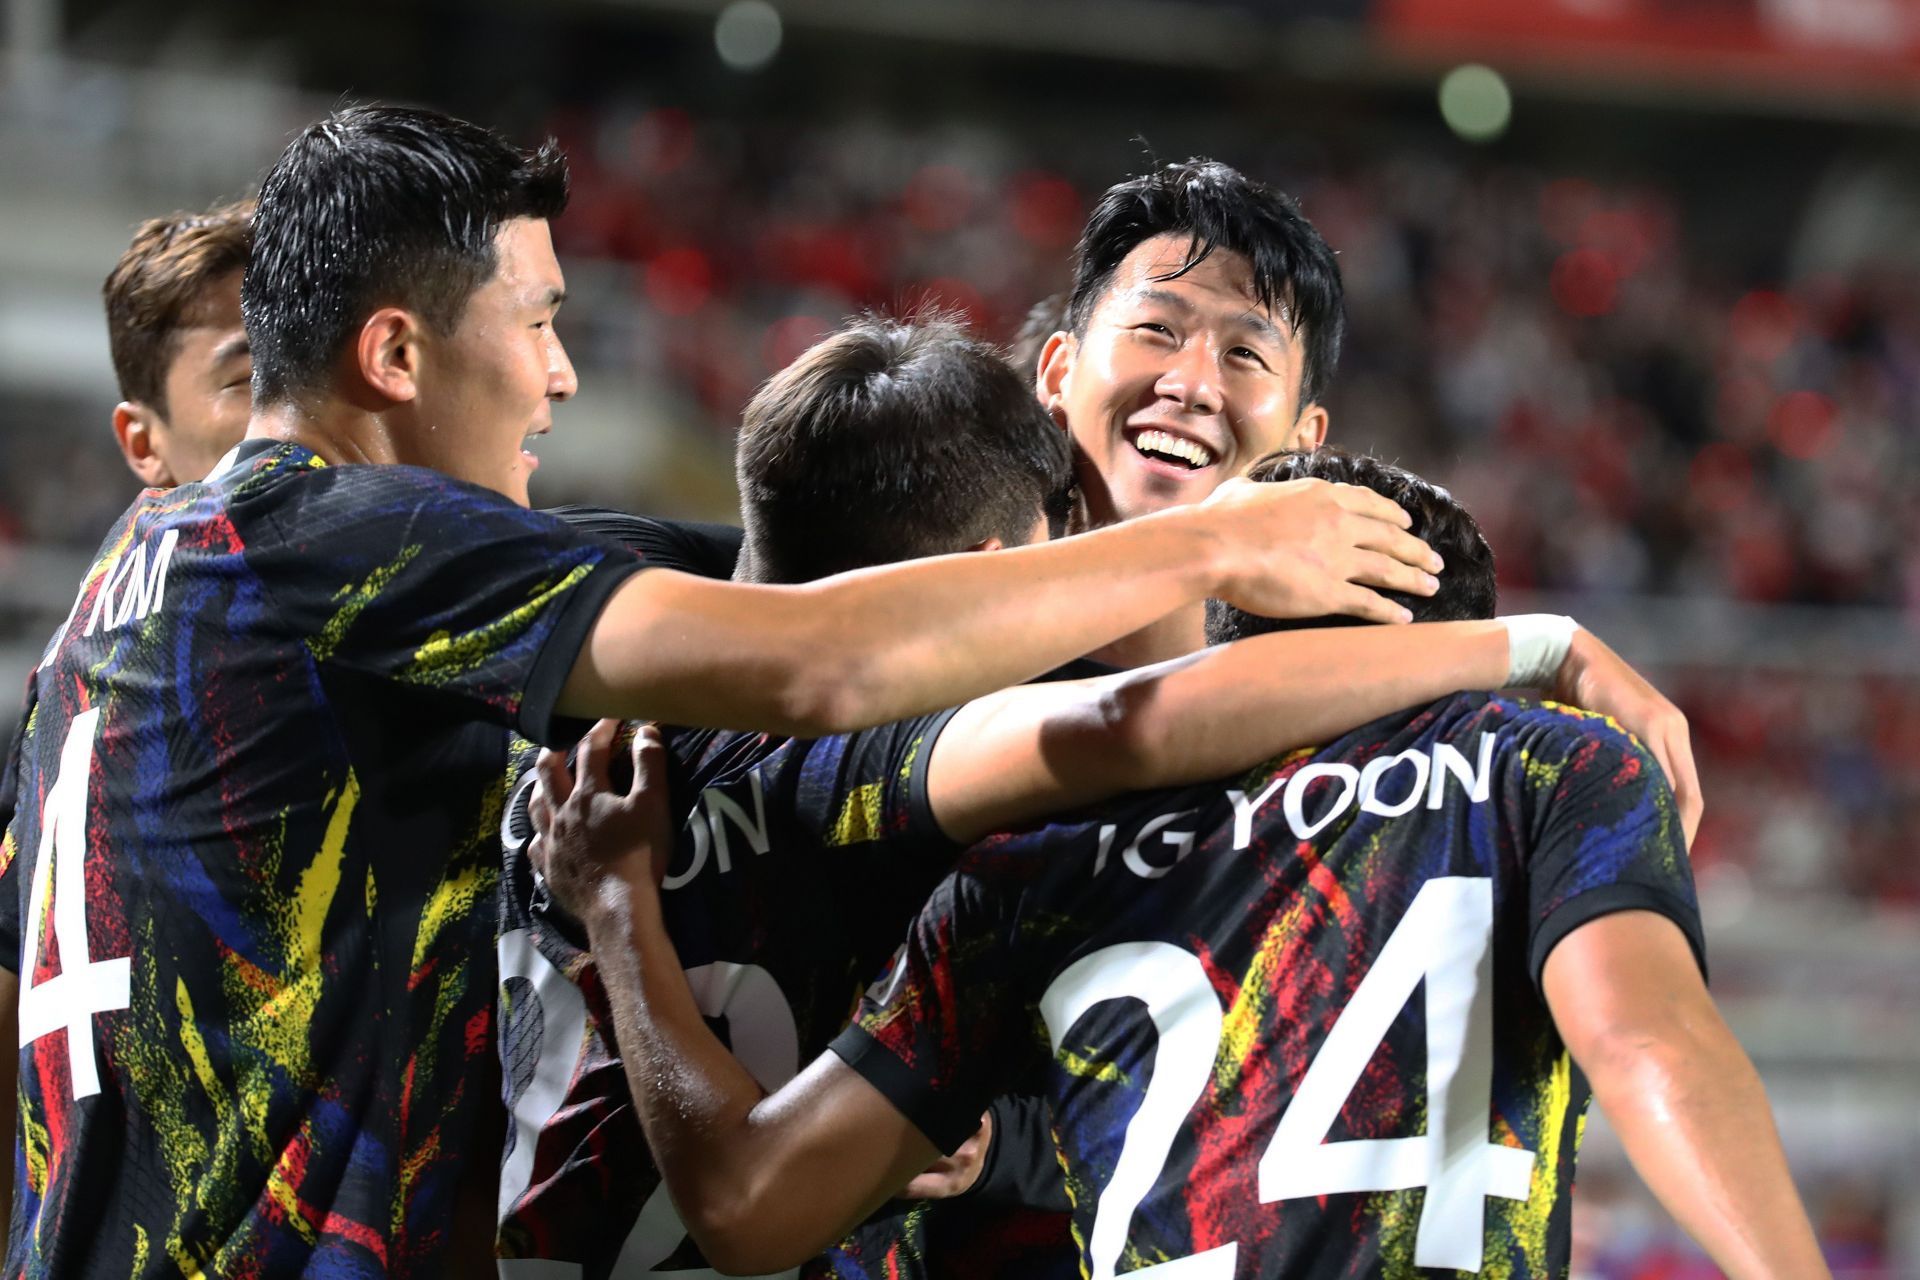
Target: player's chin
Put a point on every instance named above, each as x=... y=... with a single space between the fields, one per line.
x=1156 y=488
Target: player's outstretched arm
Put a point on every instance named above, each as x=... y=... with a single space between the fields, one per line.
x=1630 y=1003
x=883 y=644
x=1022 y=753
x=762 y=1183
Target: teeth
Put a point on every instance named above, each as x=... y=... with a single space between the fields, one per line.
x=1165 y=442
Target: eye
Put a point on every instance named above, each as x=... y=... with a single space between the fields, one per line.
x=1250 y=355
x=1154 y=327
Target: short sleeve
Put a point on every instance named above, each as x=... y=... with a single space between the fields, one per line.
x=407 y=575
x=859 y=788
x=1606 y=836
x=708 y=550
x=931 y=1034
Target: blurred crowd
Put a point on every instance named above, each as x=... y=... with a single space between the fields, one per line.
x=1624 y=412
x=1627 y=411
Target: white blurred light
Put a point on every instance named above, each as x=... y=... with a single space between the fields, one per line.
x=1476 y=103
x=747 y=34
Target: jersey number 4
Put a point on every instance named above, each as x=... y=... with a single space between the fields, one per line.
x=1445 y=938
x=84 y=986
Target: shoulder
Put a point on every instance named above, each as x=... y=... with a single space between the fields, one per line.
x=708 y=550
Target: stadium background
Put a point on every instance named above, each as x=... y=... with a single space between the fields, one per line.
x=1647 y=297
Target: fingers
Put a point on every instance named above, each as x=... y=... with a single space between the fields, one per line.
x=1401 y=546
x=1363 y=501
x=595 y=750
x=555 y=780
x=1371 y=569
x=649 y=759
x=540 y=809
x=1358 y=602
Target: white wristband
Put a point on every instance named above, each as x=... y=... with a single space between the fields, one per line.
x=1537 y=644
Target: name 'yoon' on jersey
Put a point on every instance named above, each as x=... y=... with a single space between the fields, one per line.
x=1291 y=1022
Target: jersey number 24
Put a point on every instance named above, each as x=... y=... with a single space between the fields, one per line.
x=1446 y=938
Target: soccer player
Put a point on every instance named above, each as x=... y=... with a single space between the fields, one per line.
x=254 y=859
x=1322 y=1016
x=806 y=859
x=179 y=346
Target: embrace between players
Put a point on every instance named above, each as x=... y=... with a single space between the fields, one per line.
x=1303 y=971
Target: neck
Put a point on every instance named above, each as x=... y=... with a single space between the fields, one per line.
x=340 y=433
x=1174 y=636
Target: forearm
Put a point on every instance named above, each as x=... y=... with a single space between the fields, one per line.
x=1230 y=708
x=692 y=1096
x=1024 y=753
x=1693 y=1117
x=881 y=644
x=1634 y=1011
x=761 y=1183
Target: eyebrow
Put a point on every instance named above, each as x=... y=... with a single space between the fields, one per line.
x=232 y=347
x=554 y=296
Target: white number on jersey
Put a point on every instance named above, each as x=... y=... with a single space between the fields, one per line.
x=1446 y=937
x=84 y=986
x=765 y=1039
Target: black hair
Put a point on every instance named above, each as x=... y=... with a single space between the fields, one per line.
x=1217 y=207
x=892 y=439
x=378 y=206
x=1044 y=319
x=1467 y=588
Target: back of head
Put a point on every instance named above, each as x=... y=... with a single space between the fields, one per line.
x=1295 y=276
x=162 y=284
x=1467 y=588
x=889 y=440
x=379 y=206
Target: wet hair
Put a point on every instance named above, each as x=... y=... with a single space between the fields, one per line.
x=1217 y=207
x=160 y=286
x=1467 y=588
x=377 y=206
x=893 y=439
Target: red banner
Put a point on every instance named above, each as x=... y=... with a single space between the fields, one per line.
x=1848 y=45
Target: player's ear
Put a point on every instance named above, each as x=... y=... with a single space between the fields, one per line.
x=1309 y=429
x=994 y=543
x=387 y=354
x=1056 y=365
x=134 y=426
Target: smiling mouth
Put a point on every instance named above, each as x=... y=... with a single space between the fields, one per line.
x=1177 y=451
x=526 y=447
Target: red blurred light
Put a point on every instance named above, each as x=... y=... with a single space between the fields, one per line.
x=1763 y=325
x=1803 y=425
x=1046 y=210
x=679 y=281
x=1721 y=477
x=788 y=337
x=1623 y=237
x=939 y=198
x=1585 y=283
x=1565 y=206
x=661 y=141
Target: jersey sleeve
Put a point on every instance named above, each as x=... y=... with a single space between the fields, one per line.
x=1606 y=835
x=1022 y=1168
x=411 y=576
x=860 y=788
x=932 y=1035
x=708 y=550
